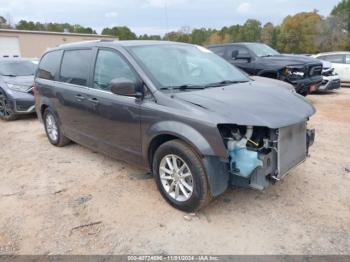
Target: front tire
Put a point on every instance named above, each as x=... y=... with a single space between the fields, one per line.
x=180 y=176
x=53 y=129
x=6 y=113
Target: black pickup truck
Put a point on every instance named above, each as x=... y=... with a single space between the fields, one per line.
x=303 y=72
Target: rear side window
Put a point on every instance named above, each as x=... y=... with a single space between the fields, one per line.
x=338 y=59
x=219 y=50
x=75 y=67
x=49 y=65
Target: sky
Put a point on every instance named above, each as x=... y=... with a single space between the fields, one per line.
x=158 y=16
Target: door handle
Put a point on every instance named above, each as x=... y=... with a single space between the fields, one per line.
x=93 y=100
x=79 y=97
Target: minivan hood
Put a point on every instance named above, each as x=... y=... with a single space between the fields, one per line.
x=19 y=80
x=253 y=103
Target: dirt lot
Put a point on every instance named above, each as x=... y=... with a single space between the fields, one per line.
x=73 y=201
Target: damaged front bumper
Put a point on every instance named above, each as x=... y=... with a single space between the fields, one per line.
x=306 y=85
x=281 y=151
x=330 y=83
x=21 y=102
x=285 y=149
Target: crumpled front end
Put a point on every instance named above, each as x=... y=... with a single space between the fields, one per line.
x=305 y=78
x=259 y=156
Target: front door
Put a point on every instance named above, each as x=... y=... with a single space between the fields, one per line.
x=115 y=120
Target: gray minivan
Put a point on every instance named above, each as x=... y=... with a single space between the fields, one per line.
x=195 y=121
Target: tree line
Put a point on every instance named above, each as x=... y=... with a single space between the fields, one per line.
x=306 y=32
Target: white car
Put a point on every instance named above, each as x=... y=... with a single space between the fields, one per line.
x=341 y=64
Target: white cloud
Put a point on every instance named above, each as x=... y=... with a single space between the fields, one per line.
x=111 y=14
x=245 y=8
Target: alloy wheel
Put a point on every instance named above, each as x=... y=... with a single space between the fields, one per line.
x=4 y=109
x=51 y=127
x=176 y=178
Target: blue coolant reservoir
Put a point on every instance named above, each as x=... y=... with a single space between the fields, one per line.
x=243 y=161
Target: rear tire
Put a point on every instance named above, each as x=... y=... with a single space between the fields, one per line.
x=53 y=129
x=180 y=176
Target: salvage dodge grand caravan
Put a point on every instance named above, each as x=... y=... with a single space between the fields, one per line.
x=197 y=122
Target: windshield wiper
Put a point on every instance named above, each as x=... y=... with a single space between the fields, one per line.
x=183 y=87
x=225 y=83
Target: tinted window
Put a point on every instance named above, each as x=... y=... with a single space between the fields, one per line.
x=339 y=59
x=219 y=50
x=110 y=65
x=17 y=68
x=242 y=52
x=75 y=67
x=49 y=65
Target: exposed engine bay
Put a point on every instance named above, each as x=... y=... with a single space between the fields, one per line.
x=259 y=156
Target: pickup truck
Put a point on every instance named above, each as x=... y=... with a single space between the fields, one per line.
x=303 y=72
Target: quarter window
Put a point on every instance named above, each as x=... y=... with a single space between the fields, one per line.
x=75 y=67
x=110 y=65
x=49 y=65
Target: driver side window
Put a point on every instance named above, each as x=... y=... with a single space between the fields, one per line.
x=110 y=65
x=242 y=54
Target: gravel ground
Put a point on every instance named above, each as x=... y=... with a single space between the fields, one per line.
x=74 y=201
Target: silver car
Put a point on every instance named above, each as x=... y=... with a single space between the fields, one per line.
x=16 y=87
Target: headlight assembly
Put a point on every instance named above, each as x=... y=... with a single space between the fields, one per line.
x=294 y=71
x=19 y=88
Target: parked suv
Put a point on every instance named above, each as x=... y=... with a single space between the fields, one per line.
x=341 y=64
x=197 y=122
x=16 y=83
x=304 y=73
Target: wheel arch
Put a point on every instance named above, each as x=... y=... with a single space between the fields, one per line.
x=42 y=109
x=43 y=105
x=216 y=170
x=163 y=132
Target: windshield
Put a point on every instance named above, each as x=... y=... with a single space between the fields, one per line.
x=262 y=50
x=176 y=65
x=17 y=68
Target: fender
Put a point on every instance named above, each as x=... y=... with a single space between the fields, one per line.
x=217 y=173
x=180 y=130
x=44 y=101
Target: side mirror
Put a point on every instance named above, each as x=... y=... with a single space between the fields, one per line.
x=125 y=87
x=234 y=54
